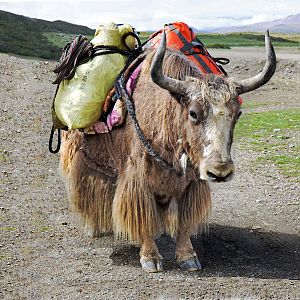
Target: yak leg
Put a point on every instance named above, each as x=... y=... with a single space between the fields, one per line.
x=194 y=208
x=151 y=260
x=185 y=256
x=135 y=213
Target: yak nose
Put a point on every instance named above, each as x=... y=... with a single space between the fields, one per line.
x=219 y=171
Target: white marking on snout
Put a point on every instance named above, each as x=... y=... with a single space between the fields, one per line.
x=218 y=134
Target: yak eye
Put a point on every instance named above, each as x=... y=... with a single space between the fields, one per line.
x=193 y=115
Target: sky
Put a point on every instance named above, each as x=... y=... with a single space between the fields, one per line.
x=153 y=14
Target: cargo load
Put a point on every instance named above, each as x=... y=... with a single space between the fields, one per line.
x=78 y=101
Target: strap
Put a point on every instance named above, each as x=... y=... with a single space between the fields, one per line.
x=221 y=60
x=131 y=33
x=223 y=70
x=50 y=147
x=103 y=49
x=187 y=46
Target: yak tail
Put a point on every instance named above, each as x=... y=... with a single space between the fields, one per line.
x=90 y=195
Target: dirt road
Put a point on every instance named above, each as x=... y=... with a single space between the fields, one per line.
x=252 y=249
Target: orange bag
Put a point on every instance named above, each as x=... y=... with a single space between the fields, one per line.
x=181 y=37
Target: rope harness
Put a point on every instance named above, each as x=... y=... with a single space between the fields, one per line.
x=78 y=52
x=131 y=111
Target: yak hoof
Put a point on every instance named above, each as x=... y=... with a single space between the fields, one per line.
x=151 y=265
x=191 y=264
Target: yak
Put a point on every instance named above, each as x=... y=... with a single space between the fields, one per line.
x=141 y=186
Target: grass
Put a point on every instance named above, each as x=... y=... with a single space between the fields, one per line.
x=44 y=228
x=7 y=228
x=245 y=39
x=4 y=157
x=241 y=39
x=59 y=39
x=143 y=36
x=253 y=104
x=4 y=256
x=274 y=135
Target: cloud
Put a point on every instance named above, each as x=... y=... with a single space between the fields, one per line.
x=153 y=14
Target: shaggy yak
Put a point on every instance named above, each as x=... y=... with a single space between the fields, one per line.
x=187 y=120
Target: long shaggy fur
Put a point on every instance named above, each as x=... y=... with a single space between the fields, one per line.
x=128 y=207
x=135 y=212
x=195 y=206
x=89 y=192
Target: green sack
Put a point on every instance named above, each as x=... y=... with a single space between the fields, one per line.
x=78 y=102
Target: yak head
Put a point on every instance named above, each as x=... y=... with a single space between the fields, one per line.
x=212 y=108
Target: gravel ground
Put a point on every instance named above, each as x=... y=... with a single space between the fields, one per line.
x=250 y=252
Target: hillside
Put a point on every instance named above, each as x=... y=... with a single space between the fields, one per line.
x=34 y=37
x=290 y=24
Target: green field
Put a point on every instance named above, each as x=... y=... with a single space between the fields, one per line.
x=243 y=39
x=273 y=134
x=248 y=40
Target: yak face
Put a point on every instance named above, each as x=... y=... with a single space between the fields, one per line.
x=213 y=110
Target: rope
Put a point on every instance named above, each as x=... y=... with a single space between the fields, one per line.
x=50 y=145
x=80 y=50
x=74 y=54
x=147 y=145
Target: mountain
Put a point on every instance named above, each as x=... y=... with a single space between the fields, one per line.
x=290 y=24
x=34 y=37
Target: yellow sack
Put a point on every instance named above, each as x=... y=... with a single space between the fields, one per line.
x=78 y=102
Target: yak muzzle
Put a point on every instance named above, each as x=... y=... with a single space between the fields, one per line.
x=217 y=171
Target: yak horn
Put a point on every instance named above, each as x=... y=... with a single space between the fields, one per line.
x=248 y=85
x=172 y=85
